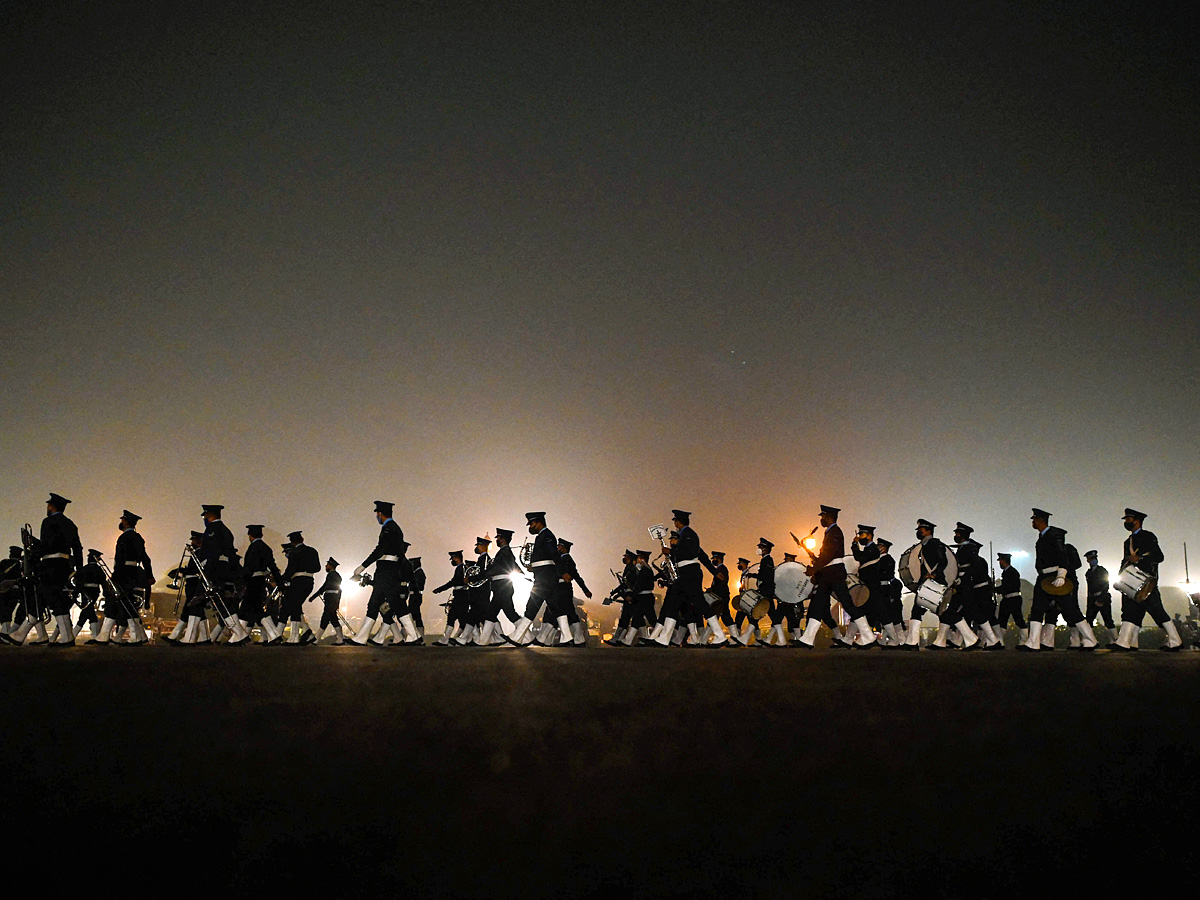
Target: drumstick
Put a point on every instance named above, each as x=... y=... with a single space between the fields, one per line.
x=800 y=543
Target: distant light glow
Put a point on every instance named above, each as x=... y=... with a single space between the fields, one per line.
x=810 y=543
x=1020 y=554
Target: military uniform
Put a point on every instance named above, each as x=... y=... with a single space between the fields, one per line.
x=933 y=560
x=303 y=563
x=260 y=568
x=389 y=584
x=1144 y=545
x=1099 y=595
x=684 y=603
x=641 y=585
x=58 y=553
x=1008 y=592
x=133 y=574
x=1053 y=561
x=546 y=567
x=829 y=581
x=500 y=573
x=459 y=607
x=330 y=595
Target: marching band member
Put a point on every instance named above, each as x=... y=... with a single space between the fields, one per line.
x=457 y=627
x=547 y=572
x=829 y=580
x=933 y=561
x=1008 y=590
x=766 y=586
x=387 y=585
x=330 y=593
x=866 y=553
x=10 y=592
x=629 y=562
x=89 y=581
x=719 y=588
x=687 y=596
x=479 y=598
x=259 y=566
x=303 y=563
x=1099 y=595
x=891 y=612
x=1143 y=553
x=217 y=559
x=416 y=594
x=58 y=553
x=1053 y=561
x=644 y=618
x=745 y=627
x=966 y=553
x=792 y=611
x=576 y=632
x=500 y=572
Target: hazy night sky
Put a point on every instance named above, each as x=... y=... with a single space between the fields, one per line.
x=600 y=259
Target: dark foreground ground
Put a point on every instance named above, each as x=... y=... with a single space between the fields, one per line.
x=564 y=773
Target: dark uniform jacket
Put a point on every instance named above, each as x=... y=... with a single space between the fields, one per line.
x=686 y=549
x=868 y=557
x=416 y=581
x=391 y=543
x=827 y=565
x=303 y=560
x=933 y=560
x=1098 y=584
x=1150 y=554
x=131 y=565
x=1051 y=551
x=216 y=551
x=766 y=577
x=720 y=582
x=643 y=580
x=568 y=567
x=90 y=581
x=501 y=571
x=260 y=560
x=456 y=582
x=545 y=551
x=330 y=590
x=1010 y=584
x=59 y=535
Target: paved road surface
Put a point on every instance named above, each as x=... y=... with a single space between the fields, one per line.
x=566 y=773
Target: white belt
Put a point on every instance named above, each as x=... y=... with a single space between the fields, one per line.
x=688 y=562
x=223 y=558
x=540 y=563
x=984 y=584
x=389 y=559
x=261 y=574
x=130 y=562
x=1010 y=596
x=57 y=556
x=645 y=592
x=90 y=585
x=308 y=575
x=460 y=587
x=870 y=563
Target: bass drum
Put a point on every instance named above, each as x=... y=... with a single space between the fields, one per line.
x=909 y=568
x=792 y=584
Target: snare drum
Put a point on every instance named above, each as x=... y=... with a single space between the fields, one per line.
x=748 y=599
x=716 y=602
x=792 y=584
x=1135 y=584
x=930 y=595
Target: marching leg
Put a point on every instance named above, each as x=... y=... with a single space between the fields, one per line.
x=1035 y=637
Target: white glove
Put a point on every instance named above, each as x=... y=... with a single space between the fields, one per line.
x=1060 y=578
x=358 y=571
